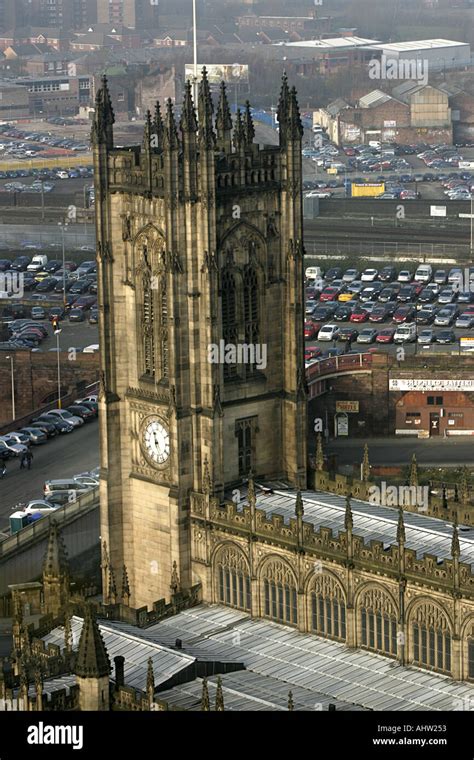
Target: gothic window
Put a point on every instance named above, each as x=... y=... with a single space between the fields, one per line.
x=378 y=622
x=245 y=431
x=233 y=578
x=328 y=608
x=229 y=317
x=431 y=638
x=251 y=310
x=164 y=347
x=148 y=322
x=280 y=598
x=470 y=658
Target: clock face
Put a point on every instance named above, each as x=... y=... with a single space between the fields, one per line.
x=156 y=441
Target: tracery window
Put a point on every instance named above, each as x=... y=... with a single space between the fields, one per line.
x=431 y=638
x=148 y=322
x=229 y=317
x=251 y=310
x=233 y=578
x=280 y=598
x=152 y=314
x=378 y=622
x=328 y=608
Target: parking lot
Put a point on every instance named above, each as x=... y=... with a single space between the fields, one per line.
x=387 y=309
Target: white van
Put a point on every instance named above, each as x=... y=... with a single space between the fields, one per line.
x=375 y=144
x=424 y=273
x=313 y=273
x=38 y=262
x=405 y=333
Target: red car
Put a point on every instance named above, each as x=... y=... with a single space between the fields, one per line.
x=385 y=336
x=311 y=329
x=359 y=315
x=312 y=353
x=404 y=314
x=329 y=294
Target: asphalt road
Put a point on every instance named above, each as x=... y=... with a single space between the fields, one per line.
x=399 y=451
x=61 y=457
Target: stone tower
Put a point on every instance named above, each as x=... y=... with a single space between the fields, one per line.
x=201 y=299
x=55 y=573
x=92 y=666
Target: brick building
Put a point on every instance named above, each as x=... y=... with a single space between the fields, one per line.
x=36 y=380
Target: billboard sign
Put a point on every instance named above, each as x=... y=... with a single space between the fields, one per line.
x=230 y=73
x=431 y=384
x=437 y=210
x=347 y=406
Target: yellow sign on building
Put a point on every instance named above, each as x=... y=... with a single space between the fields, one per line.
x=347 y=406
x=367 y=189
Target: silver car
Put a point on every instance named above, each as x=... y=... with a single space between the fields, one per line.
x=427 y=335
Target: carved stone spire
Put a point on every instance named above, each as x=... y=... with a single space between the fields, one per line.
x=248 y=125
x=464 y=487
x=252 y=499
x=455 y=548
x=158 y=127
x=295 y=126
x=150 y=682
x=92 y=658
x=319 y=453
x=219 y=696
x=112 y=586
x=125 y=586
x=171 y=139
x=401 y=535
x=146 y=144
x=39 y=689
x=67 y=632
x=291 y=704
x=224 y=122
x=188 y=121
x=174 y=584
x=366 y=465
x=207 y=484
x=348 y=518
x=104 y=118
x=299 y=509
x=207 y=137
x=205 y=705
x=239 y=131
x=283 y=103
x=55 y=563
x=413 y=471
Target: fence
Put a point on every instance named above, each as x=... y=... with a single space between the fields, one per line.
x=389 y=251
x=46 y=163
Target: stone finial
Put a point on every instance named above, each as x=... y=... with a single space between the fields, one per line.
x=455 y=548
x=413 y=481
x=125 y=586
x=366 y=465
x=249 y=128
x=150 y=681
x=158 y=126
x=205 y=704
x=348 y=518
x=67 y=632
x=207 y=484
x=39 y=689
x=55 y=563
x=283 y=103
x=188 y=121
x=207 y=138
x=92 y=659
x=174 y=585
x=464 y=487
x=299 y=508
x=219 y=696
x=319 y=453
x=401 y=535
x=295 y=126
x=291 y=704
x=251 y=497
x=104 y=118
x=147 y=131
x=112 y=586
x=239 y=131
x=223 y=121
x=171 y=140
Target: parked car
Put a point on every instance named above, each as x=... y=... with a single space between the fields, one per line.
x=369 y=275
x=15 y=448
x=37 y=312
x=328 y=332
x=445 y=336
x=62 y=426
x=35 y=435
x=46 y=427
x=81 y=411
x=64 y=415
x=77 y=315
x=385 y=335
x=367 y=335
x=427 y=335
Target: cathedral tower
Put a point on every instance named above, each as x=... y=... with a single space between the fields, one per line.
x=200 y=267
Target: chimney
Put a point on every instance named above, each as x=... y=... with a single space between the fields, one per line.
x=119 y=671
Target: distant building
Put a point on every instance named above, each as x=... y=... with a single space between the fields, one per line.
x=440 y=54
x=137 y=14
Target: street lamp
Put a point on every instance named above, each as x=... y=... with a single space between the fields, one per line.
x=63 y=227
x=13 y=387
x=57 y=334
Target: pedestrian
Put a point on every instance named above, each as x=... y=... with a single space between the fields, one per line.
x=23 y=461
x=29 y=457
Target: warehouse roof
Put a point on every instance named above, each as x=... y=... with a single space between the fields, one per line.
x=402 y=47
x=333 y=42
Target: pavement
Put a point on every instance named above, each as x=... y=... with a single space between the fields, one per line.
x=450 y=452
x=61 y=457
